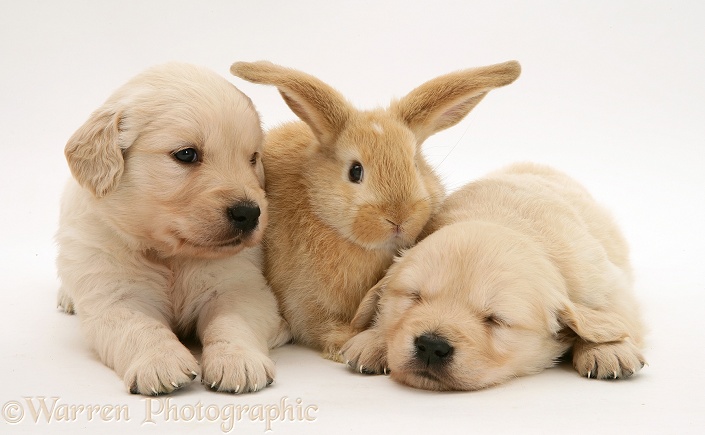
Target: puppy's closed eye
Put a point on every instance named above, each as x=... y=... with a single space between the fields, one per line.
x=254 y=158
x=493 y=320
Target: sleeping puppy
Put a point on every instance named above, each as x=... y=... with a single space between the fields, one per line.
x=159 y=230
x=519 y=268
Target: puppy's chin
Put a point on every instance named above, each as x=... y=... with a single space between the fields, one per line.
x=214 y=250
x=429 y=380
x=424 y=380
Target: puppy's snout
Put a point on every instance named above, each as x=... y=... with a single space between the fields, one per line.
x=244 y=216
x=432 y=349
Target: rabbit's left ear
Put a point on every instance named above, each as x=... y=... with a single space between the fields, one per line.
x=444 y=101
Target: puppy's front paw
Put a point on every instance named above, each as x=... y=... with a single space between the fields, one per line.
x=366 y=353
x=64 y=302
x=607 y=360
x=161 y=370
x=232 y=369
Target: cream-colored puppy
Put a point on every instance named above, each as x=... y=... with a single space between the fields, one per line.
x=519 y=268
x=159 y=230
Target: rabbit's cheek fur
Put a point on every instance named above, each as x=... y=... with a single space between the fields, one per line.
x=393 y=227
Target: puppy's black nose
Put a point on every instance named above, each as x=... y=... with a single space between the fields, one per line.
x=245 y=216
x=432 y=349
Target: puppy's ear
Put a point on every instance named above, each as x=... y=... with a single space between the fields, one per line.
x=94 y=154
x=368 y=307
x=593 y=325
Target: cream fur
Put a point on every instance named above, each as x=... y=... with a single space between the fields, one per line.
x=147 y=251
x=330 y=239
x=519 y=268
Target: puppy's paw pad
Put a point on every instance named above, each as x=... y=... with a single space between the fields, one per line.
x=616 y=360
x=366 y=353
x=231 y=369
x=162 y=370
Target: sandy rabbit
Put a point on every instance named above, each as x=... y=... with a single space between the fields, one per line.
x=348 y=189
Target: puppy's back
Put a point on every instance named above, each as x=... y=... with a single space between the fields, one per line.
x=537 y=201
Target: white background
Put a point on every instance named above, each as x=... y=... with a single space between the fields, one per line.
x=611 y=92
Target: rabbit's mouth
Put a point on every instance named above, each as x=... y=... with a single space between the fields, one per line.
x=400 y=239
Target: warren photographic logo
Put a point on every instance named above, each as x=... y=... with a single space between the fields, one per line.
x=41 y=410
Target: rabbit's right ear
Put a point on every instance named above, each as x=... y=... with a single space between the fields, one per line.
x=93 y=152
x=444 y=101
x=317 y=104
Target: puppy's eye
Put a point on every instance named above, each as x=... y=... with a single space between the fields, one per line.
x=186 y=155
x=254 y=158
x=356 y=172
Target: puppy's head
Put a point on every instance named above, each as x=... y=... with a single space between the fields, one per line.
x=470 y=306
x=173 y=160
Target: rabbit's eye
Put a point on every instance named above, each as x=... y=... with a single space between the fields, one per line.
x=186 y=155
x=356 y=172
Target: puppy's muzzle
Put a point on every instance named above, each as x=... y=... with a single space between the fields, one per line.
x=432 y=350
x=244 y=216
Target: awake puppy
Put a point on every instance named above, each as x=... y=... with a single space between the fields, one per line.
x=159 y=230
x=519 y=268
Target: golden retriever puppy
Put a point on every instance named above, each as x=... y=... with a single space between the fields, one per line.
x=159 y=230
x=519 y=268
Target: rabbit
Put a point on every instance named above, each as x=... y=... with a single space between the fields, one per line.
x=348 y=189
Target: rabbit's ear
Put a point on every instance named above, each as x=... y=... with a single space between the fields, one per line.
x=317 y=104
x=93 y=152
x=444 y=101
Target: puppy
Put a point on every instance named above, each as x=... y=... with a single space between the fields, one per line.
x=519 y=268
x=158 y=234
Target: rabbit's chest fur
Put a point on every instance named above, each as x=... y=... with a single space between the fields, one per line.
x=319 y=277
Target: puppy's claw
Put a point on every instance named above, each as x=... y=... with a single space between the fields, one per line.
x=213 y=385
x=588 y=375
x=174 y=384
x=362 y=369
x=154 y=392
